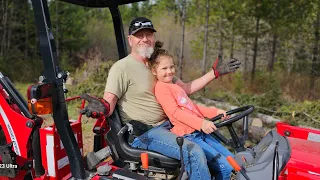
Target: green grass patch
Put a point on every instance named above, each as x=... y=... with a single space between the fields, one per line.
x=22 y=88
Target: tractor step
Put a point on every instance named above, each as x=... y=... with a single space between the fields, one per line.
x=127 y=175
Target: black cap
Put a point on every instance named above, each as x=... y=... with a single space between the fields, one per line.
x=140 y=23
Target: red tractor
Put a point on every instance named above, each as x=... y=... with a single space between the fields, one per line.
x=28 y=151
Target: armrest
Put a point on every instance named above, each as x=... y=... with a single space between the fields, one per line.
x=123 y=130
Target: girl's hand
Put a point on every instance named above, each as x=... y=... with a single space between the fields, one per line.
x=208 y=127
x=221 y=111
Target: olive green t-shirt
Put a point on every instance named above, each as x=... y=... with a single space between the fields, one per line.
x=133 y=83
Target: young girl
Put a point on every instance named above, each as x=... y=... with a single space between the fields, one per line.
x=188 y=118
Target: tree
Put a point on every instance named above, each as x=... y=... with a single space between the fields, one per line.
x=315 y=70
x=255 y=49
x=18 y=40
x=135 y=11
x=204 y=58
x=183 y=20
x=69 y=30
x=4 y=24
x=283 y=17
x=146 y=9
x=258 y=10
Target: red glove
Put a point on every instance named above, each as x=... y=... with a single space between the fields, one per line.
x=97 y=106
x=221 y=67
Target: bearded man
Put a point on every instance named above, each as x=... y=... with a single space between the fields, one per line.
x=130 y=85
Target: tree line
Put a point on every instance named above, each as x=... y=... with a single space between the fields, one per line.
x=278 y=39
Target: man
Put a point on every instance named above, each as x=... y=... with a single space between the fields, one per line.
x=130 y=84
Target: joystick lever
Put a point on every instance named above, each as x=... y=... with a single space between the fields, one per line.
x=236 y=167
x=145 y=163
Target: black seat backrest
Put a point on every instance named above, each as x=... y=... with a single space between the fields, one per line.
x=115 y=122
x=125 y=152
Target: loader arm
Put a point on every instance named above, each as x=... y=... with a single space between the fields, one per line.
x=54 y=74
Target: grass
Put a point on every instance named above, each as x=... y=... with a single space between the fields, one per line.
x=86 y=123
x=22 y=88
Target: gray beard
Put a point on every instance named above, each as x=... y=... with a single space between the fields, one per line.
x=145 y=52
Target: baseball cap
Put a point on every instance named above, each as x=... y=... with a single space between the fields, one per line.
x=140 y=23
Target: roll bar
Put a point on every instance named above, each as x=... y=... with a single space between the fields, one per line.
x=54 y=74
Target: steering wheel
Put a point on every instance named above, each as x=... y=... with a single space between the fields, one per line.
x=236 y=141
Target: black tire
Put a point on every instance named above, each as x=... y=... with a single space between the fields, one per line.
x=3 y=140
x=28 y=177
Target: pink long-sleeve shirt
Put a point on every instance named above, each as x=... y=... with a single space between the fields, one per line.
x=182 y=112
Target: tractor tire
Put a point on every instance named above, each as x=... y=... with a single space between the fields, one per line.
x=28 y=177
x=3 y=140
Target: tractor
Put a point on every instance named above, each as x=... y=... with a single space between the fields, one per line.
x=30 y=151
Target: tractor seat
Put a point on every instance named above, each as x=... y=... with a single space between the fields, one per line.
x=122 y=151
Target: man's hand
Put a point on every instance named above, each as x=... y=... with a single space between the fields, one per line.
x=97 y=106
x=208 y=127
x=221 y=67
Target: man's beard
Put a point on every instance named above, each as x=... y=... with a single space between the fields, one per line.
x=145 y=52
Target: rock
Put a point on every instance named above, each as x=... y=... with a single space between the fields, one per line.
x=256 y=122
x=69 y=81
x=256 y=133
x=267 y=119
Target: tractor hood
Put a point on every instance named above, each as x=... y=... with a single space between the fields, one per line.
x=100 y=3
x=305 y=156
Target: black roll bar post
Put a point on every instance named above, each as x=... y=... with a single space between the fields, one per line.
x=52 y=75
x=118 y=30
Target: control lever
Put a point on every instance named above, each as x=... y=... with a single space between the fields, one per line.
x=236 y=167
x=145 y=163
x=180 y=143
x=94 y=158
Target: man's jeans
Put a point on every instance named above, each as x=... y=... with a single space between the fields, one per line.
x=215 y=152
x=161 y=140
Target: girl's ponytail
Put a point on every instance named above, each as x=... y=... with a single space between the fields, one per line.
x=157 y=53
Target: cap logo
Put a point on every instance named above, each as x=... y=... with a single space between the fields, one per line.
x=139 y=24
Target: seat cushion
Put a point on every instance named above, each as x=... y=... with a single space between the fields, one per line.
x=126 y=152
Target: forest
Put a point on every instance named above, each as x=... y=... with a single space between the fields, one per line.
x=277 y=43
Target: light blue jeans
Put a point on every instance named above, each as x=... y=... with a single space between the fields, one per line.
x=215 y=153
x=161 y=140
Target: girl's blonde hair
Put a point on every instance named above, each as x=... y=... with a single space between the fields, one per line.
x=158 y=52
